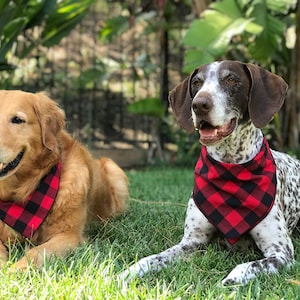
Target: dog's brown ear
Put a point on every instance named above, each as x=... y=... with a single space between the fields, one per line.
x=51 y=119
x=181 y=101
x=267 y=95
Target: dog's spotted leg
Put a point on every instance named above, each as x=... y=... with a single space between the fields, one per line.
x=272 y=238
x=197 y=231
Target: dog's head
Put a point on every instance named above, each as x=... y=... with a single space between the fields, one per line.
x=217 y=97
x=29 y=125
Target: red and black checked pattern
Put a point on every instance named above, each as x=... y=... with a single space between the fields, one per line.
x=235 y=197
x=26 y=217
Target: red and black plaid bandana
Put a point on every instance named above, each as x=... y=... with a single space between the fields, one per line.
x=235 y=197
x=26 y=217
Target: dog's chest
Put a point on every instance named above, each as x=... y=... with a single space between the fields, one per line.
x=240 y=147
x=235 y=197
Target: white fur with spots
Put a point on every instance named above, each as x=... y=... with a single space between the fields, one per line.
x=272 y=235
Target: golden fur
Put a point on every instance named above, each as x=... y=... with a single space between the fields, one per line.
x=88 y=188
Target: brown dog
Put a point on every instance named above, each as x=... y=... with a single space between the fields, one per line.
x=50 y=186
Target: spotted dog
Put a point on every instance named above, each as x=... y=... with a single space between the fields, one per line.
x=243 y=190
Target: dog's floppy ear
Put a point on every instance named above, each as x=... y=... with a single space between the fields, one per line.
x=180 y=99
x=51 y=119
x=267 y=94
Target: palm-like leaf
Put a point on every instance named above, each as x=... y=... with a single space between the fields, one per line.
x=56 y=18
x=254 y=22
x=266 y=44
x=211 y=36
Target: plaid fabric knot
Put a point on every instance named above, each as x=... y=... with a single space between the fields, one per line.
x=235 y=197
x=26 y=217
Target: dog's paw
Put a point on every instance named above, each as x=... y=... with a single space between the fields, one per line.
x=123 y=281
x=240 y=275
x=124 y=276
x=22 y=264
x=137 y=270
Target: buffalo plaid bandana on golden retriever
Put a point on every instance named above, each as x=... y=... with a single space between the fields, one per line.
x=235 y=197
x=26 y=217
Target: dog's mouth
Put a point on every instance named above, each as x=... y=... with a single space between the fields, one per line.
x=5 y=168
x=210 y=134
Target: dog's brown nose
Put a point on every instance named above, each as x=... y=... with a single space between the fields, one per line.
x=201 y=105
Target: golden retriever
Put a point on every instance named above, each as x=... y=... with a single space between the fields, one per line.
x=33 y=142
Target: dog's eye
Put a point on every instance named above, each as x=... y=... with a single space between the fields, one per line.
x=197 y=83
x=17 y=120
x=231 y=81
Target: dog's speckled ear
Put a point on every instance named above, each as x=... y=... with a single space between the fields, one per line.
x=267 y=95
x=181 y=101
x=51 y=119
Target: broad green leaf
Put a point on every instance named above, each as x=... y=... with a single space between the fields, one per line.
x=194 y=58
x=54 y=35
x=117 y=25
x=92 y=76
x=147 y=106
x=254 y=28
x=68 y=14
x=3 y=5
x=281 y=6
x=13 y=27
x=10 y=33
x=113 y=27
x=214 y=33
x=227 y=7
x=204 y=32
x=221 y=43
x=39 y=11
x=8 y=13
x=270 y=39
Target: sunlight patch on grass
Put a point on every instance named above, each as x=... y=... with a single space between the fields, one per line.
x=154 y=221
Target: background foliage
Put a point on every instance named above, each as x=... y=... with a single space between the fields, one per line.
x=243 y=30
x=257 y=31
x=53 y=19
x=261 y=32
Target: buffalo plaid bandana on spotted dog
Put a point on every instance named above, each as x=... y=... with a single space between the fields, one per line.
x=235 y=197
x=26 y=217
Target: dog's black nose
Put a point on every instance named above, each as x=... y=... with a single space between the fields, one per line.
x=201 y=105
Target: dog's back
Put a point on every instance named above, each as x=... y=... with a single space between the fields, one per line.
x=288 y=196
x=109 y=193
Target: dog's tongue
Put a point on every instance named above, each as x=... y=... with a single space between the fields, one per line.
x=210 y=134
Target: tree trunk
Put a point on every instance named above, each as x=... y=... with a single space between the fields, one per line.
x=292 y=113
x=199 y=6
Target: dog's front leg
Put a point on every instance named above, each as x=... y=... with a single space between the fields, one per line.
x=3 y=255
x=272 y=238
x=58 y=245
x=197 y=231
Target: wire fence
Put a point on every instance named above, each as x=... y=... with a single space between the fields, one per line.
x=94 y=81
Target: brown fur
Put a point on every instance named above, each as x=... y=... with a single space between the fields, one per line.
x=89 y=189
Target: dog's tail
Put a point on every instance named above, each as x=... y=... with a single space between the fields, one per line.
x=110 y=195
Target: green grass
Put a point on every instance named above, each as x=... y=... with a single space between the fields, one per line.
x=154 y=221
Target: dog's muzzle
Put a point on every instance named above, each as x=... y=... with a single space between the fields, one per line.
x=210 y=134
x=6 y=168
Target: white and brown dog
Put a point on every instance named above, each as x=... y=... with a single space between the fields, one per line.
x=243 y=190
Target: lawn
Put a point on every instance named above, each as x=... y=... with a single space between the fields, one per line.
x=154 y=221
